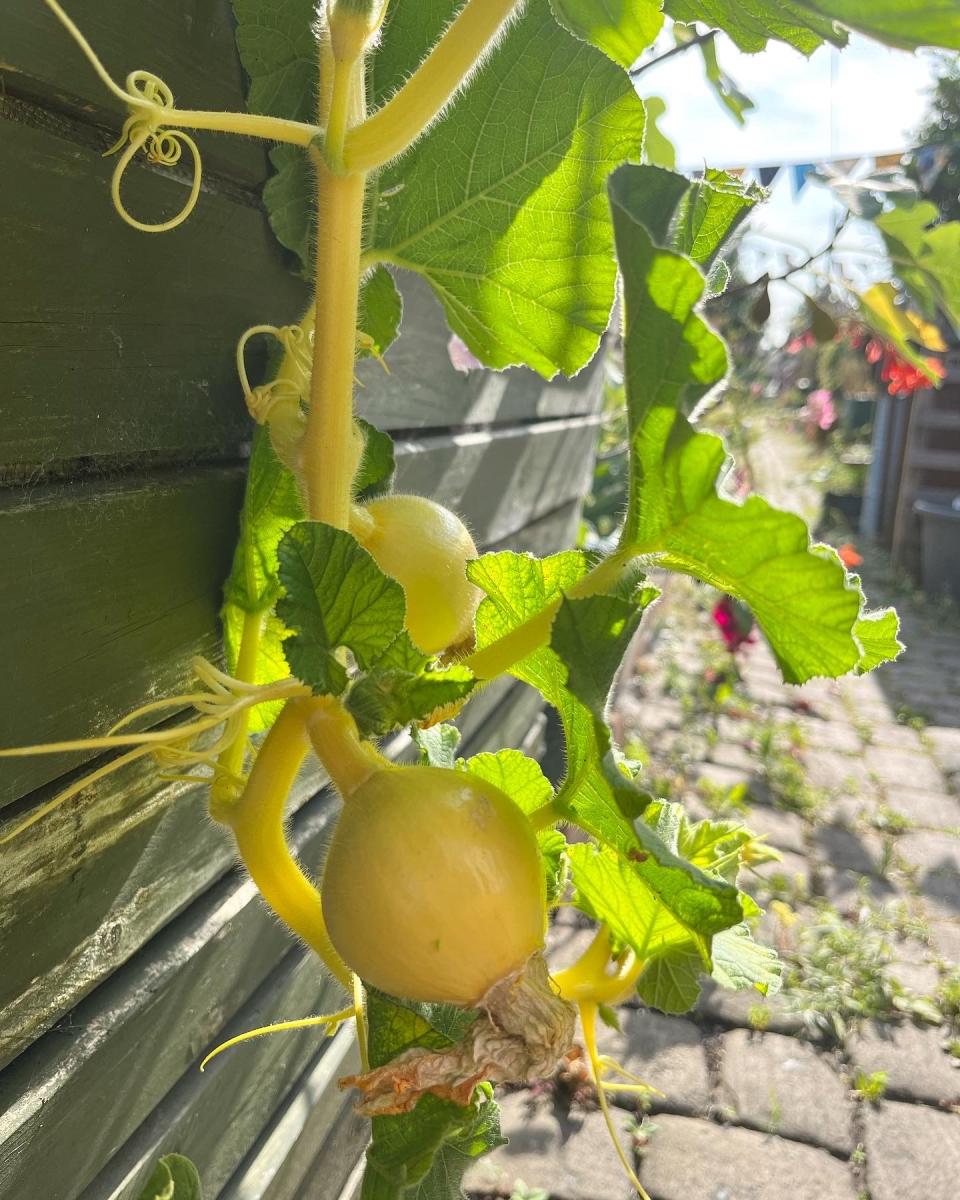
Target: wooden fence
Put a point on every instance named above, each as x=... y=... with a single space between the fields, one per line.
x=130 y=942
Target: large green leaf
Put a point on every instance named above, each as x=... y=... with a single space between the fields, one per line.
x=740 y=963
x=622 y=29
x=806 y=24
x=500 y=205
x=423 y=1154
x=799 y=593
x=878 y=635
x=906 y=23
x=279 y=53
x=752 y=23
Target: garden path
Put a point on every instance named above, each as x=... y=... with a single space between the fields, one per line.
x=846 y=1086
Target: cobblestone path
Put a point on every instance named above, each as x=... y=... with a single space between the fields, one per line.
x=846 y=1086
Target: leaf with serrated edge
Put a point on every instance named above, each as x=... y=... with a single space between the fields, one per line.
x=740 y=962
x=622 y=29
x=877 y=634
x=423 y=1153
x=671 y=983
x=378 y=465
x=751 y=25
x=384 y=700
x=799 y=593
x=500 y=205
x=334 y=595
x=514 y=773
x=438 y=745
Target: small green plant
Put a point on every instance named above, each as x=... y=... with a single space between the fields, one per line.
x=522 y=1192
x=872 y=1087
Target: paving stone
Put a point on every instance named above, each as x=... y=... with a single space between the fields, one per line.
x=791 y=875
x=783 y=830
x=843 y=887
x=838 y=773
x=900 y=768
x=687 y=1159
x=746 y=1010
x=847 y=849
x=719 y=776
x=945 y=741
x=937 y=810
x=937 y=859
x=913 y=1057
x=731 y=754
x=896 y=737
x=666 y=1052
x=565 y=944
x=784 y=1086
x=831 y=735
x=569 y=1157
x=945 y=940
x=913 y=1152
x=921 y=978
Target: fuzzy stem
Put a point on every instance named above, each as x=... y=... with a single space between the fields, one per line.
x=328 y=462
x=426 y=93
x=271 y=129
x=257 y=823
x=346 y=757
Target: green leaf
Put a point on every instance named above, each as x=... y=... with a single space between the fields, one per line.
x=422 y=1155
x=658 y=150
x=278 y=50
x=877 y=634
x=438 y=745
x=806 y=24
x=799 y=593
x=622 y=29
x=500 y=205
x=335 y=595
x=739 y=962
x=671 y=982
x=514 y=773
x=822 y=324
x=173 y=1178
x=271 y=505
x=377 y=466
x=591 y=637
x=380 y=311
x=729 y=95
x=524 y=782
x=384 y=700
x=904 y=23
x=751 y=25
x=895 y=324
x=925 y=256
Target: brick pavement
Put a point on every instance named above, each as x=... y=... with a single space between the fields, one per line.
x=760 y=1099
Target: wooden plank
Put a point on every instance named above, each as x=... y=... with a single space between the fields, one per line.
x=118 y=346
x=89 y=885
x=129 y=1043
x=189 y=45
x=118 y=585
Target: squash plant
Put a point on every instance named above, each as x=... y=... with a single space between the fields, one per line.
x=495 y=147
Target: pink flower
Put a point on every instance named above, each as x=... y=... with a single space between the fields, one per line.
x=735 y=622
x=820 y=409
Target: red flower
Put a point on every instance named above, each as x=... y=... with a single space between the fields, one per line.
x=849 y=556
x=735 y=622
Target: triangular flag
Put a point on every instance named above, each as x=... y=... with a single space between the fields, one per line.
x=886 y=162
x=800 y=173
x=768 y=175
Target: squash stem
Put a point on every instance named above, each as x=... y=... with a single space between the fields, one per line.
x=257 y=823
x=347 y=758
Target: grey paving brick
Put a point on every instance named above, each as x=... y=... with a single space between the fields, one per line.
x=945 y=940
x=822 y=734
x=666 y=1052
x=783 y=1085
x=569 y=1156
x=914 y=1059
x=689 y=1159
x=745 y=1010
x=936 y=857
x=847 y=849
x=945 y=741
x=895 y=737
x=782 y=830
x=913 y=1152
x=839 y=774
x=733 y=754
x=901 y=768
x=716 y=775
x=936 y=810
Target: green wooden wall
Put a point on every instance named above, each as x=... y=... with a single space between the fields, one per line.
x=130 y=942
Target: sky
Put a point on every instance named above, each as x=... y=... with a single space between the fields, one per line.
x=865 y=100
